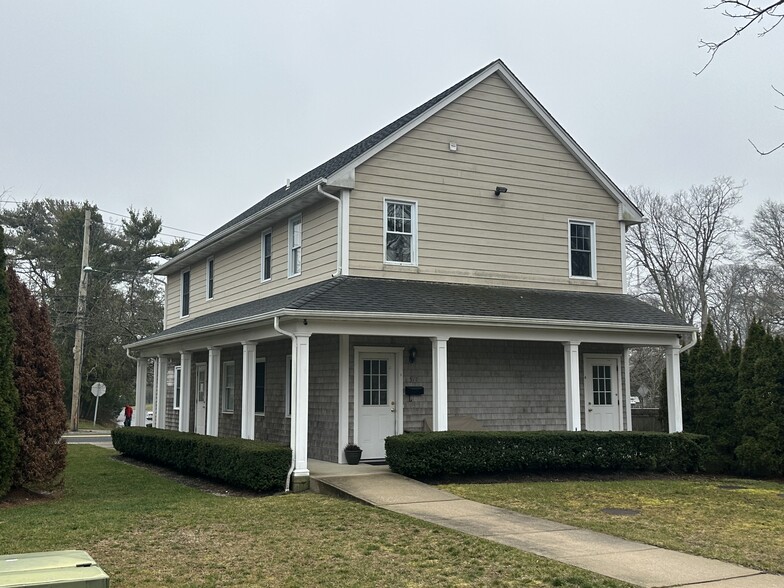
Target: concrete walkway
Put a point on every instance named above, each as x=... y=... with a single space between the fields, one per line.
x=636 y=563
x=88 y=436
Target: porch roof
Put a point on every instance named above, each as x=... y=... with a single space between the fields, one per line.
x=352 y=294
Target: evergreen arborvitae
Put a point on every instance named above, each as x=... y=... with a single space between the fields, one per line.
x=735 y=353
x=9 y=400
x=41 y=418
x=715 y=396
x=760 y=414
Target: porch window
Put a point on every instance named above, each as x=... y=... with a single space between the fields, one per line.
x=582 y=244
x=177 y=386
x=227 y=386
x=266 y=255
x=210 y=271
x=185 y=293
x=261 y=384
x=295 y=246
x=400 y=232
x=288 y=385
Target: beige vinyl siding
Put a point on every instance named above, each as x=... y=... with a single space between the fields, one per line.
x=237 y=271
x=466 y=233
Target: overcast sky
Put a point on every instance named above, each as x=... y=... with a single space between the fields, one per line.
x=200 y=109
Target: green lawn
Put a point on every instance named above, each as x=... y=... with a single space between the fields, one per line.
x=146 y=530
x=691 y=514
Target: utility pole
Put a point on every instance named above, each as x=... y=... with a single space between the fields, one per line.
x=80 y=311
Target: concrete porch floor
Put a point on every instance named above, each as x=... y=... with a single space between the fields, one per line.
x=321 y=469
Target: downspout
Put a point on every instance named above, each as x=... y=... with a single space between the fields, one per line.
x=690 y=344
x=340 y=244
x=276 y=326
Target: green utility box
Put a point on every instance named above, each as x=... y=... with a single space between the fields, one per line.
x=62 y=569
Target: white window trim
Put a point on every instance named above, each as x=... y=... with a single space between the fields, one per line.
x=287 y=390
x=224 y=392
x=292 y=221
x=258 y=361
x=177 y=380
x=182 y=290
x=210 y=260
x=414 y=232
x=264 y=254
x=592 y=224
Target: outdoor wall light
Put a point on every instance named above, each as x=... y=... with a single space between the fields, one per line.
x=412 y=353
x=500 y=190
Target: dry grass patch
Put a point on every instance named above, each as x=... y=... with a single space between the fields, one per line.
x=147 y=530
x=690 y=514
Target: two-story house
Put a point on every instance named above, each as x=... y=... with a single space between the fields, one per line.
x=467 y=260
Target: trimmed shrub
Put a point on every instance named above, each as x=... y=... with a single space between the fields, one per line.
x=427 y=455
x=255 y=465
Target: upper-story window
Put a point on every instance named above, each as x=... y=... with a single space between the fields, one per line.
x=400 y=232
x=185 y=293
x=266 y=255
x=210 y=271
x=582 y=249
x=295 y=245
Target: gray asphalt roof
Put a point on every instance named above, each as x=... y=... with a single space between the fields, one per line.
x=341 y=159
x=347 y=294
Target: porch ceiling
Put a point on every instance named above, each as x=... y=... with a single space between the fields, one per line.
x=372 y=297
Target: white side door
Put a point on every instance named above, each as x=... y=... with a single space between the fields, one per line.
x=602 y=401
x=200 y=383
x=376 y=405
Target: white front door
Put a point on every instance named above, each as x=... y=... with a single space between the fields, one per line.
x=602 y=402
x=201 y=398
x=376 y=402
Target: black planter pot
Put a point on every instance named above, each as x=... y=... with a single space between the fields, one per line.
x=353 y=456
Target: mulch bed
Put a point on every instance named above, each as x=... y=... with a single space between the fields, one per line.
x=22 y=497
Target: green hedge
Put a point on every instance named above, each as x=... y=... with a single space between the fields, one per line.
x=427 y=455
x=249 y=464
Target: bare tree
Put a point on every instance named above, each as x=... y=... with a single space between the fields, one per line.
x=686 y=238
x=766 y=236
x=747 y=14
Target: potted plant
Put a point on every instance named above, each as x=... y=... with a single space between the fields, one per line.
x=353 y=453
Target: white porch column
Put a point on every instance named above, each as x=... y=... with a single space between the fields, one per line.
x=159 y=416
x=343 y=394
x=186 y=358
x=248 y=401
x=213 y=390
x=299 y=401
x=572 y=373
x=674 y=411
x=627 y=385
x=440 y=402
x=141 y=392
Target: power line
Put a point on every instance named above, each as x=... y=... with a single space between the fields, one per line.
x=164 y=226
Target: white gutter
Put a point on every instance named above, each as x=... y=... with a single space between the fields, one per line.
x=691 y=343
x=458 y=320
x=339 y=244
x=244 y=222
x=276 y=325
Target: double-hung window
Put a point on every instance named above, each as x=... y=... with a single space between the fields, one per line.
x=400 y=232
x=177 y=386
x=210 y=271
x=227 y=386
x=266 y=255
x=185 y=293
x=295 y=246
x=582 y=249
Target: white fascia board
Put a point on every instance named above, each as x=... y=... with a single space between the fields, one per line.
x=430 y=319
x=233 y=228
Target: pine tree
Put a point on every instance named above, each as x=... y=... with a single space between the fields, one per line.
x=715 y=396
x=760 y=415
x=41 y=418
x=9 y=399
